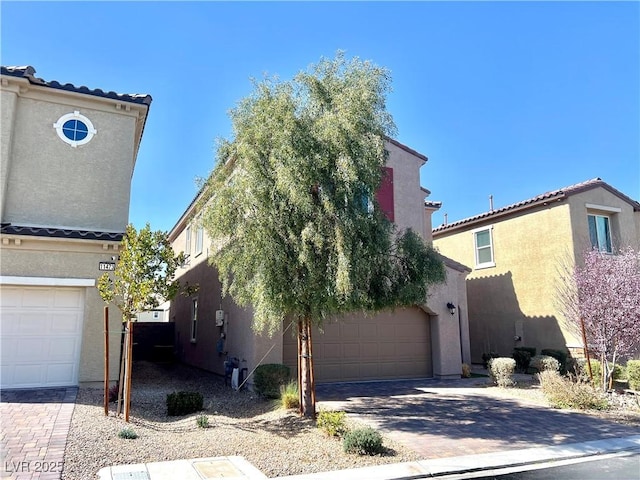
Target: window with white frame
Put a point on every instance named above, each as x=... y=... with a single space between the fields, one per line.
x=199 y=240
x=600 y=232
x=187 y=241
x=194 y=319
x=483 y=243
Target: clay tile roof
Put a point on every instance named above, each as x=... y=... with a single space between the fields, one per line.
x=8 y=229
x=559 y=194
x=28 y=72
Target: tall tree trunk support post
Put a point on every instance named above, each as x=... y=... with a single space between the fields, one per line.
x=106 y=360
x=307 y=387
x=299 y=337
x=127 y=378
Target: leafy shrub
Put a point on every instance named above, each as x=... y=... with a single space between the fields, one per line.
x=183 y=403
x=269 y=377
x=523 y=356
x=542 y=363
x=562 y=392
x=332 y=423
x=128 y=433
x=487 y=357
x=466 y=371
x=202 y=421
x=501 y=370
x=633 y=374
x=619 y=372
x=559 y=355
x=289 y=395
x=363 y=441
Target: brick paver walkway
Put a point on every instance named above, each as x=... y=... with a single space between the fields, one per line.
x=453 y=418
x=35 y=425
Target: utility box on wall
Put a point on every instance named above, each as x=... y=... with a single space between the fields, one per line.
x=219 y=318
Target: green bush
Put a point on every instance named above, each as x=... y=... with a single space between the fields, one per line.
x=183 y=403
x=619 y=372
x=128 y=433
x=363 y=441
x=289 y=395
x=559 y=355
x=501 y=371
x=633 y=374
x=562 y=392
x=269 y=377
x=332 y=423
x=543 y=363
x=522 y=356
x=202 y=421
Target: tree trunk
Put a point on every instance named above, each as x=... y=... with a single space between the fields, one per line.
x=307 y=400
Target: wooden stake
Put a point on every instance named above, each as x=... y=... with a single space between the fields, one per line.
x=106 y=360
x=586 y=349
x=127 y=398
x=123 y=352
x=300 y=366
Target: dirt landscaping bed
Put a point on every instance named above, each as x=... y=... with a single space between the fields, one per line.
x=276 y=441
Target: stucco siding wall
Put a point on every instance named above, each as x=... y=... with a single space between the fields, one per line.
x=624 y=229
x=51 y=183
x=34 y=258
x=8 y=100
x=519 y=295
x=408 y=197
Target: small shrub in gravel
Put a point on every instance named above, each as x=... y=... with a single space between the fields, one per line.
x=184 y=403
x=113 y=392
x=202 y=421
x=269 y=377
x=633 y=374
x=466 y=370
x=128 y=433
x=501 y=370
x=289 y=395
x=523 y=356
x=560 y=355
x=332 y=423
x=562 y=392
x=363 y=441
x=543 y=363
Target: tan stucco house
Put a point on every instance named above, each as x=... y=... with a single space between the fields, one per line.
x=422 y=341
x=518 y=254
x=67 y=158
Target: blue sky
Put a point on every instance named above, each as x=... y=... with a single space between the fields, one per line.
x=510 y=99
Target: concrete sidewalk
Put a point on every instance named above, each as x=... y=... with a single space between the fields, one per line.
x=237 y=468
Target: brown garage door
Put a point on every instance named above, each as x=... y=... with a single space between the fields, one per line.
x=387 y=345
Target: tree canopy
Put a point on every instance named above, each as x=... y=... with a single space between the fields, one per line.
x=291 y=209
x=144 y=274
x=605 y=294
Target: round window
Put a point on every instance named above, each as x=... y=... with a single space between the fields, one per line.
x=75 y=129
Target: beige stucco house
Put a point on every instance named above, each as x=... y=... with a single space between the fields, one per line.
x=519 y=253
x=67 y=158
x=422 y=341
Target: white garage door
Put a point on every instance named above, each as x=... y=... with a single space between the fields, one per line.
x=388 y=345
x=41 y=331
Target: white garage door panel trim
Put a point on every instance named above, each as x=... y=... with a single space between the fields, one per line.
x=41 y=335
x=47 y=281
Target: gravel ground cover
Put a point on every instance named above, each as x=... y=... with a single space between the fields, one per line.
x=276 y=441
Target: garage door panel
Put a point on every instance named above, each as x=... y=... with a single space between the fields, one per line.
x=41 y=336
x=394 y=344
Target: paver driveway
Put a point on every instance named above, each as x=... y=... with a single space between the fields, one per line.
x=35 y=425
x=459 y=417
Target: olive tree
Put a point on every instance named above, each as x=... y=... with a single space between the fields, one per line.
x=290 y=207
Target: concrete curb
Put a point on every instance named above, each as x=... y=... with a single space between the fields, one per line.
x=473 y=463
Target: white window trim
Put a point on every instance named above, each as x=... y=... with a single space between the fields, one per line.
x=194 y=319
x=76 y=115
x=492 y=263
x=593 y=214
x=602 y=208
x=187 y=248
x=199 y=240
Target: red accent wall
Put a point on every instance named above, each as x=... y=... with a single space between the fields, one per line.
x=384 y=195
